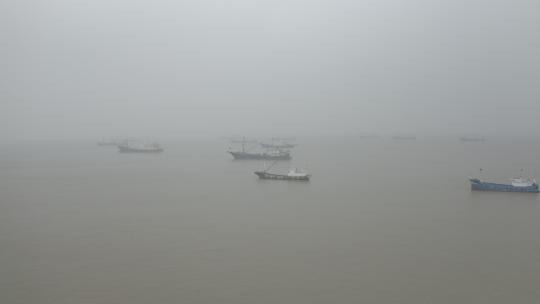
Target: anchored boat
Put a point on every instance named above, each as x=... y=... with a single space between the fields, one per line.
x=520 y=184
x=128 y=147
x=293 y=175
x=269 y=154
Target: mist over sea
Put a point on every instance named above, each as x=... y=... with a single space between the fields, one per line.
x=381 y=221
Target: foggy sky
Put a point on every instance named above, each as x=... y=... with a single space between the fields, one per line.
x=73 y=68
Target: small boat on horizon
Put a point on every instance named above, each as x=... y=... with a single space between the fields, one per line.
x=293 y=175
x=130 y=147
x=270 y=155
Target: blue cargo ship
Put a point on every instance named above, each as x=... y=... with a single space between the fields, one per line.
x=516 y=185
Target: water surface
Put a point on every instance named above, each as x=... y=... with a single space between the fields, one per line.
x=382 y=221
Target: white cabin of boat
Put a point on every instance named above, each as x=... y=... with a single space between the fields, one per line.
x=295 y=172
x=523 y=182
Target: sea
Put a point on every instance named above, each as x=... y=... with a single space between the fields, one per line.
x=381 y=221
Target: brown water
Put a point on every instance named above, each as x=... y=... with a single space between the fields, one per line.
x=382 y=221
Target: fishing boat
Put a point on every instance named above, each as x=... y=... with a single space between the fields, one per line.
x=520 y=184
x=293 y=175
x=269 y=154
x=130 y=147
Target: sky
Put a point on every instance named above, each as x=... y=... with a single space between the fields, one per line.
x=173 y=69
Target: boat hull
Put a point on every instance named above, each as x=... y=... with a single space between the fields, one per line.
x=266 y=175
x=260 y=156
x=478 y=185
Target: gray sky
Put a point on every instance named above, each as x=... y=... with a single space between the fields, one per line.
x=74 y=68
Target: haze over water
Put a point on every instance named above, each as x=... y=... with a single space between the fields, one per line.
x=382 y=221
